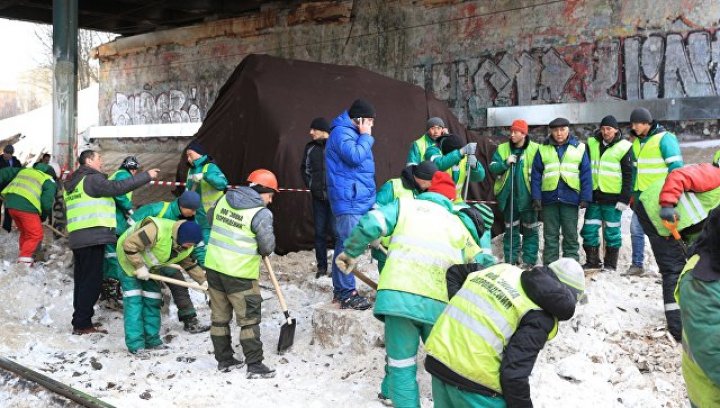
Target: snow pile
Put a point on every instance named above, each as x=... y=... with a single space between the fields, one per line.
x=614 y=353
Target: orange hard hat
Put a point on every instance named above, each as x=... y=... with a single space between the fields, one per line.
x=263 y=177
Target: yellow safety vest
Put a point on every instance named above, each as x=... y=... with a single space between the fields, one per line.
x=529 y=156
x=470 y=335
x=607 y=165
x=692 y=208
x=159 y=254
x=399 y=191
x=208 y=194
x=84 y=211
x=166 y=205
x=458 y=173
x=28 y=185
x=232 y=249
x=649 y=163
x=568 y=169
x=422 y=145
x=427 y=240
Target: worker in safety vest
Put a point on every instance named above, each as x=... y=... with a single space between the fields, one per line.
x=426 y=238
x=414 y=179
x=687 y=195
x=560 y=184
x=182 y=208
x=150 y=244
x=123 y=210
x=205 y=178
x=91 y=226
x=478 y=220
x=516 y=156
x=611 y=163
x=242 y=233
x=698 y=294
x=484 y=345
x=656 y=152
x=435 y=128
x=29 y=195
x=450 y=156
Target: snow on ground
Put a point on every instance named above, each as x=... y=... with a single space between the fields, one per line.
x=613 y=353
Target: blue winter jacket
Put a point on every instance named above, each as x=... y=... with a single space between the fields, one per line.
x=350 y=168
x=563 y=193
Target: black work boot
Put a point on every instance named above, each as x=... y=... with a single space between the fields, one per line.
x=321 y=271
x=191 y=324
x=226 y=366
x=259 y=370
x=592 y=258
x=222 y=348
x=611 y=257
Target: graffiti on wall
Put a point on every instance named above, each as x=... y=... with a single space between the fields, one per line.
x=171 y=106
x=649 y=67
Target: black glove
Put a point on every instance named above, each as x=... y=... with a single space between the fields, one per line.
x=537 y=205
x=43 y=218
x=583 y=204
x=669 y=214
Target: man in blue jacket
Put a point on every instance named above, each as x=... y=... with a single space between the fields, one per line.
x=350 y=169
x=560 y=182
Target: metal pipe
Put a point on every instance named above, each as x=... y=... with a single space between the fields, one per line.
x=65 y=45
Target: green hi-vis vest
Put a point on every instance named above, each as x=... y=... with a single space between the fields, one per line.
x=113 y=176
x=84 y=211
x=470 y=335
x=692 y=208
x=568 y=169
x=232 y=249
x=28 y=185
x=529 y=156
x=458 y=173
x=163 y=210
x=606 y=174
x=208 y=194
x=422 y=146
x=159 y=254
x=649 y=162
x=399 y=191
x=427 y=240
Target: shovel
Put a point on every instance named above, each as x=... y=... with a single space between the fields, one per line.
x=287 y=330
x=190 y=285
x=672 y=227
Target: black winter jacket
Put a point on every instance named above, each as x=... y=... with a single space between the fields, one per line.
x=313 y=169
x=543 y=287
x=97 y=185
x=4 y=163
x=625 y=169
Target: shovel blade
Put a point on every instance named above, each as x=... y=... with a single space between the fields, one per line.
x=287 y=335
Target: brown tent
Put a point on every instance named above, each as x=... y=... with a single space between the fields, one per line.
x=261 y=119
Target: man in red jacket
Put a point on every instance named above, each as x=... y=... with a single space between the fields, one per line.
x=684 y=200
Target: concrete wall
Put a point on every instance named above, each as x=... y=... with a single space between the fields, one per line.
x=473 y=54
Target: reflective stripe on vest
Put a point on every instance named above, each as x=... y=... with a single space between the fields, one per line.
x=649 y=163
x=164 y=209
x=606 y=171
x=458 y=174
x=84 y=211
x=426 y=241
x=568 y=169
x=692 y=208
x=157 y=255
x=232 y=249
x=471 y=334
x=422 y=146
x=528 y=156
x=28 y=185
x=399 y=191
x=113 y=176
x=209 y=195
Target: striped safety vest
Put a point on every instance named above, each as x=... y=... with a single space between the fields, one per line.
x=458 y=173
x=399 y=191
x=28 y=185
x=159 y=254
x=470 y=335
x=84 y=211
x=422 y=146
x=606 y=172
x=568 y=169
x=649 y=162
x=528 y=157
x=208 y=194
x=232 y=249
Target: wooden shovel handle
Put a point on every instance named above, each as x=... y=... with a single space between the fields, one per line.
x=190 y=285
x=275 y=283
x=55 y=230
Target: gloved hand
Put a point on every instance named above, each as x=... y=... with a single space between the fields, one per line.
x=196 y=177
x=583 y=204
x=345 y=263
x=204 y=285
x=375 y=244
x=512 y=159
x=472 y=161
x=469 y=149
x=620 y=206
x=43 y=218
x=669 y=214
x=537 y=205
x=130 y=221
x=142 y=273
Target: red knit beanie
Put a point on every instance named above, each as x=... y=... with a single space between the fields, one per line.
x=519 y=125
x=442 y=184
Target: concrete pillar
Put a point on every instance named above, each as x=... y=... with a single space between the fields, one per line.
x=65 y=40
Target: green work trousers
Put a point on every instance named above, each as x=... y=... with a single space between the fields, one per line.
x=523 y=223
x=559 y=218
x=141 y=310
x=595 y=215
x=111 y=266
x=449 y=396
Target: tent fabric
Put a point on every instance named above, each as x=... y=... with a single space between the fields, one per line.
x=262 y=115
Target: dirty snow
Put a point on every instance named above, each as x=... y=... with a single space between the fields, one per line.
x=613 y=353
